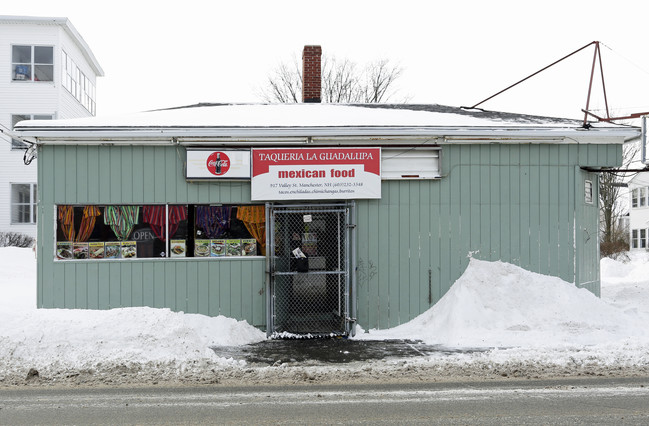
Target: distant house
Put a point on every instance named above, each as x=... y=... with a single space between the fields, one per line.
x=639 y=212
x=310 y=218
x=47 y=71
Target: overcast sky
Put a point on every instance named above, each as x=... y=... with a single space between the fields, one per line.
x=159 y=54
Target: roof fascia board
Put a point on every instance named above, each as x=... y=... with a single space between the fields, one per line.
x=90 y=57
x=471 y=135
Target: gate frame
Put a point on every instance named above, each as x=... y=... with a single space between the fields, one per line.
x=350 y=304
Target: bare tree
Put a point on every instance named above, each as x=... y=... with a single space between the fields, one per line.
x=613 y=236
x=342 y=82
x=380 y=77
x=284 y=85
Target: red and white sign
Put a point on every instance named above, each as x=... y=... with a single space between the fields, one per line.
x=213 y=164
x=218 y=163
x=316 y=173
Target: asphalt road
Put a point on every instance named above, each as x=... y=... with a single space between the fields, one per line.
x=586 y=401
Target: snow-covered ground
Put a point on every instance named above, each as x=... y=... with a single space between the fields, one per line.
x=532 y=325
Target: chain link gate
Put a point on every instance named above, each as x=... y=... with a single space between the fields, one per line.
x=309 y=269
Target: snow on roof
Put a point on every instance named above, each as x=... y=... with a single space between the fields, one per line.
x=641 y=179
x=306 y=115
x=338 y=119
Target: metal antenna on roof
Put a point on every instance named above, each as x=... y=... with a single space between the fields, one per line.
x=608 y=116
x=597 y=56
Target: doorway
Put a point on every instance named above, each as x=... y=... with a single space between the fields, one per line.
x=309 y=253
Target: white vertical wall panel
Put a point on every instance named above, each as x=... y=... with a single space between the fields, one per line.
x=46 y=98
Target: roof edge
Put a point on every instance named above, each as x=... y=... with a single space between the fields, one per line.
x=66 y=24
x=378 y=134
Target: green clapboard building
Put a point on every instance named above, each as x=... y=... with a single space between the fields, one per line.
x=309 y=218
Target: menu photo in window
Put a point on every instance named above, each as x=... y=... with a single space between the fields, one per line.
x=129 y=250
x=96 y=250
x=218 y=248
x=178 y=248
x=80 y=250
x=233 y=247
x=249 y=246
x=112 y=250
x=202 y=248
x=64 y=250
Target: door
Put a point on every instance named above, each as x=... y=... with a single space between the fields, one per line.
x=587 y=228
x=309 y=270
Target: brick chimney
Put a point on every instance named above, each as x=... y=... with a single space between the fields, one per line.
x=311 y=74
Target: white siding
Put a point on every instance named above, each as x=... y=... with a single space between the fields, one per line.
x=43 y=98
x=639 y=215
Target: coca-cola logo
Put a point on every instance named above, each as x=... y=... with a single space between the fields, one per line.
x=218 y=163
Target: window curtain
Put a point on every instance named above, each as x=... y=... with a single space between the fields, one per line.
x=214 y=221
x=121 y=219
x=66 y=218
x=254 y=218
x=155 y=216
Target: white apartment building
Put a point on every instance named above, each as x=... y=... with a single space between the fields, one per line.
x=639 y=211
x=47 y=71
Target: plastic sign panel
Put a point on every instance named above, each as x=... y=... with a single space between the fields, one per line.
x=214 y=164
x=316 y=173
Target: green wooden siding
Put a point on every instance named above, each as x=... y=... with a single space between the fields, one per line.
x=140 y=175
x=515 y=203
x=519 y=203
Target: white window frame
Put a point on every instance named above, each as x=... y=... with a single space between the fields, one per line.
x=643 y=238
x=642 y=197
x=32 y=64
x=634 y=198
x=32 y=203
x=77 y=84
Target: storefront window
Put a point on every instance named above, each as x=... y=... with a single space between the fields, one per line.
x=159 y=231
x=229 y=230
x=117 y=232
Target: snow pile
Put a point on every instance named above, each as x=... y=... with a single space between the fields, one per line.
x=78 y=339
x=17 y=281
x=82 y=338
x=625 y=285
x=495 y=304
x=529 y=320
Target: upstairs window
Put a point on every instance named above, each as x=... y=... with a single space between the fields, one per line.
x=77 y=83
x=639 y=197
x=16 y=118
x=32 y=63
